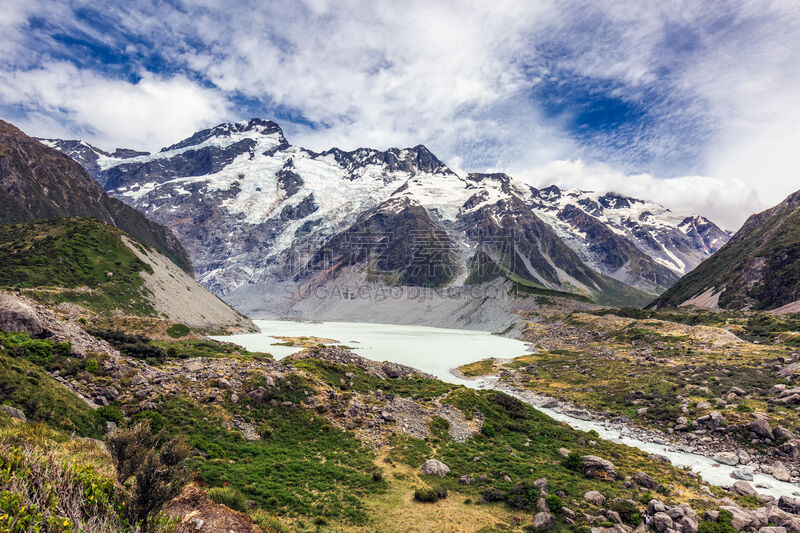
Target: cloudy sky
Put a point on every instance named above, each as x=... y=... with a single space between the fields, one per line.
x=695 y=104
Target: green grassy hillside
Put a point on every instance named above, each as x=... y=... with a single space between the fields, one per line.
x=79 y=260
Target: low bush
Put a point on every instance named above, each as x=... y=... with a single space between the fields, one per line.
x=573 y=462
x=441 y=491
x=554 y=503
x=492 y=494
x=229 y=497
x=177 y=331
x=426 y=495
x=522 y=496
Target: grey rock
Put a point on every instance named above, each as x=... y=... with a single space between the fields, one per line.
x=780 y=472
x=18 y=315
x=662 y=522
x=13 y=412
x=595 y=498
x=542 y=520
x=434 y=467
x=597 y=467
x=542 y=485
x=745 y=473
x=727 y=458
x=761 y=427
x=743 y=488
x=644 y=480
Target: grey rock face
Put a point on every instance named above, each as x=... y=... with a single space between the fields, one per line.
x=17 y=315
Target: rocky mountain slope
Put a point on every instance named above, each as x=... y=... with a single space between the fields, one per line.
x=97 y=272
x=258 y=215
x=38 y=182
x=759 y=268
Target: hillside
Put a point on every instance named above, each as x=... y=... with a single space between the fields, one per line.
x=38 y=182
x=328 y=441
x=759 y=268
x=101 y=269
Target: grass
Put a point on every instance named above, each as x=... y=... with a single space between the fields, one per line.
x=78 y=260
x=26 y=386
x=619 y=364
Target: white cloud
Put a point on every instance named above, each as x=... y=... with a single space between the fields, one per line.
x=65 y=101
x=721 y=84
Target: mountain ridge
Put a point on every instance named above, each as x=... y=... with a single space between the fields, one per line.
x=39 y=182
x=757 y=269
x=252 y=208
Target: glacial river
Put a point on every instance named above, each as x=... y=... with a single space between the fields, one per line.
x=438 y=351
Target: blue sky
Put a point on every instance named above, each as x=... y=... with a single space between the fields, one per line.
x=693 y=104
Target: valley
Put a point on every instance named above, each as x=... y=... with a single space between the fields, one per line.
x=302 y=384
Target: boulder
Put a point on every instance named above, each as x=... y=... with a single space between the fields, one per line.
x=781 y=432
x=466 y=480
x=597 y=467
x=434 y=467
x=772 y=529
x=743 y=488
x=542 y=520
x=791 y=448
x=780 y=472
x=656 y=506
x=789 y=504
x=779 y=517
x=727 y=458
x=741 y=518
x=595 y=498
x=643 y=480
x=662 y=522
x=18 y=315
x=13 y=412
x=745 y=473
x=761 y=427
x=542 y=485
x=703 y=405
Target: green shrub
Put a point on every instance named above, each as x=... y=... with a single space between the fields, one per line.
x=108 y=413
x=523 y=495
x=554 y=503
x=91 y=366
x=492 y=494
x=426 y=495
x=627 y=510
x=441 y=491
x=177 y=331
x=722 y=525
x=155 y=418
x=377 y=476
x=40 y=352
x=573 y=462
x=269 y=523
x=229 y=497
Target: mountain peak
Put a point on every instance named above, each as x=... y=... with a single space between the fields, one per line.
x=228 y=129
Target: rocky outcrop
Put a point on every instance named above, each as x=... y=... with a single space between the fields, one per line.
x=342 y=356
x=18 y=315
x=197 y=513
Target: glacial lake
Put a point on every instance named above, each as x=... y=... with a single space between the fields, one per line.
x=439 y=350
x=433 y=350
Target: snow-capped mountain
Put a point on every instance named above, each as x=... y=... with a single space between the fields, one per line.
x=252 y=209
x=635 y=241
